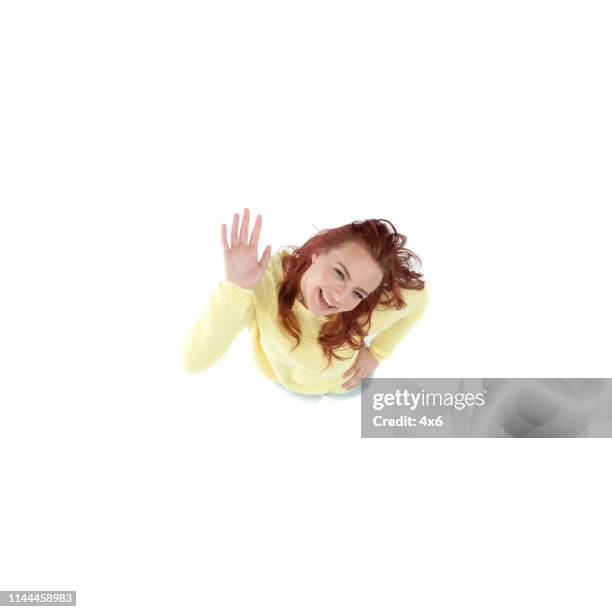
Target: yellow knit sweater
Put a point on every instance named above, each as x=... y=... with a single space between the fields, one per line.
x=233 y=308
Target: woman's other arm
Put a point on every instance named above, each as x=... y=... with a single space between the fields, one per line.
x=385 y=342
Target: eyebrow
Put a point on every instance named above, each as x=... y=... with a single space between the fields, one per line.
x=349 y=277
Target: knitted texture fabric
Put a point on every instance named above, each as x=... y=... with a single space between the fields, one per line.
x=303 y=370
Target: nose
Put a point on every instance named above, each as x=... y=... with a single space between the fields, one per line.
x=339 y=294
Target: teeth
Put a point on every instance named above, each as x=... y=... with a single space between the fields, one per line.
x=325 y=300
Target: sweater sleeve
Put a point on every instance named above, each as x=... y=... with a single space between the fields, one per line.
x=386 y=341
x=229 y=311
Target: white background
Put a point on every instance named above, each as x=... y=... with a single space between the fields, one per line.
x=130 y=132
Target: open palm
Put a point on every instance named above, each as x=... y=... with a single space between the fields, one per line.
x=241 y=258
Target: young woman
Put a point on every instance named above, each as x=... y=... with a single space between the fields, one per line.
x=310 y=309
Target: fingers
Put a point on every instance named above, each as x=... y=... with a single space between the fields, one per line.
x=255 y=235
x=242 y=236
x=265 y=257
x=224 y=238
x=354 y=382
x=235 y=230
x=349 y=371
x=244 y=230
x=355 y=379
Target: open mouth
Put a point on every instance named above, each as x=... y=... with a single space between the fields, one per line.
x=323 y=302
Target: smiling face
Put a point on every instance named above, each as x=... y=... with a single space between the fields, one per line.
x=339 y=280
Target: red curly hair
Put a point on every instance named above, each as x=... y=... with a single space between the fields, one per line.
x=380 y=238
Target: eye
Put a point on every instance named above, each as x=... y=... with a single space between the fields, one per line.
x=341 y=275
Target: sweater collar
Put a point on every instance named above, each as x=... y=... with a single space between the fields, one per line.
x=303 y=312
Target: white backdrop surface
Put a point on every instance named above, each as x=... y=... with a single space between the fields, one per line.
x=130 y=132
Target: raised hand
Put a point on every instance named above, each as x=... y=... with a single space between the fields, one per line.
x=241 y=265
